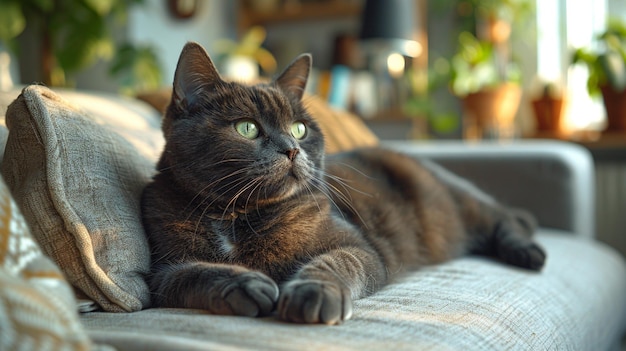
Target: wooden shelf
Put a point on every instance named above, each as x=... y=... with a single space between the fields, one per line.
x=305 y=11
x=605 y=146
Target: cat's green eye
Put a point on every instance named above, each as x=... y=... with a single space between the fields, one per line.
x=298 y=130
x=247 y=129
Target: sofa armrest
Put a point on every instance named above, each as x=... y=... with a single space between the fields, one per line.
x=552 y=179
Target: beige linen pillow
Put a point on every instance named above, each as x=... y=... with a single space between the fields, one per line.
x=37 y=307
x=79 y=183
x=342 y=130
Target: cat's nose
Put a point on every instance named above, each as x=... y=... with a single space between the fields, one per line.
x=291 y=153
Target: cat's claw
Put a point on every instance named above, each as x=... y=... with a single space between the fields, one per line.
x=250 y=294
x=312 y=301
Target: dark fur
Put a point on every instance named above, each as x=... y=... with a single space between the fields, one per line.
x=246 y=227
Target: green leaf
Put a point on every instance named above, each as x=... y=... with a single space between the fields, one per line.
x=44 y=5
x=101 y=7
x=12 y=21
x=137 y=68
x=615 y=69
x=445 y=123
x=82 y=40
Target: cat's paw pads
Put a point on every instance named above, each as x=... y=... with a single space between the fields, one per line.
x=530 y=256
x=249 y=294
x=311 y=301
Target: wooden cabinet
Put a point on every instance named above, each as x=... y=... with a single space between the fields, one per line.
x=251 y=13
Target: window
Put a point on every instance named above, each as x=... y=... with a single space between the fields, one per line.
x=562 y=26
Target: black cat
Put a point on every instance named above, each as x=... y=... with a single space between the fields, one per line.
x=246 y=214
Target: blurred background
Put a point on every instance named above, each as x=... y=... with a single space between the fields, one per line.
x=475 y=69
x=411 y=69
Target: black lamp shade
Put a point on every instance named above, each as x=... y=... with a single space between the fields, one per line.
x=388 y=19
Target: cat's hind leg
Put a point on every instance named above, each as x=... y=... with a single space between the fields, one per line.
x=512 y=241
x=492 y=228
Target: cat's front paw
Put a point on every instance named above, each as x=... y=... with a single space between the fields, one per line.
x=250 y=294
x=313 y=301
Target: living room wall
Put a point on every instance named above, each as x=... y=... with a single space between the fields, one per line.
x=153 y=24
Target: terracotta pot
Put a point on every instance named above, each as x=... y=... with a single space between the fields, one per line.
x=498 y=30
x=548 y=113
x=615 y=106
x=492 y=111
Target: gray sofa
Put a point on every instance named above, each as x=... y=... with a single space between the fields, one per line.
x=578 y=301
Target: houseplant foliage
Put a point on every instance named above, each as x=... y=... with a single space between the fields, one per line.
x=483 y=72
x=476 y=66
x=73 y=34
x=137 y=68
x=250 y=45
x=607 y=66
x=607 y=71
x=483 y=58
x=506 y=10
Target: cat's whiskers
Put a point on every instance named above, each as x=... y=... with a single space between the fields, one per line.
x=208 y=206
x=320 y=186
x=257 y=207
x=310 y=191
x=246 y=160
x=345 y=185
x=238 y=181
x=227 y=246
x=258 y=201
x=233 y=201
x=164 y=256
x=222 y=195
x=352 y=168
x=346 y=199
x=334 y=203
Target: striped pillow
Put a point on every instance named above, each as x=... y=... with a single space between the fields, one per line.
x=37 y=306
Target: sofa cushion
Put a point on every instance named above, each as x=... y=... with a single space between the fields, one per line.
x=78 y=182
x=472 y=303
x=37 y=307
x=342 y=130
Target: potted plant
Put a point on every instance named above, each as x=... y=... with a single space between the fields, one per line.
x=489 y=89
x=548 y=110
x=484 y=75
x=240 y=60
x=607 y=72
x=74 y=34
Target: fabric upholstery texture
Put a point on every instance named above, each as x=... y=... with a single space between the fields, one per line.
x=78 y=183
x=37 y=307
x=467 y=304
x=557 y=174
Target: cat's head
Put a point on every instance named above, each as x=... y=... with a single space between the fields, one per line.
x=231 y=143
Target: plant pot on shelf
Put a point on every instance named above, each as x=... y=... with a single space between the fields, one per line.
x=490 y=113
x=615 y=107
x=548 y=112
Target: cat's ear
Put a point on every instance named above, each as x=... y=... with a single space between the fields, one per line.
x=194 y=72
x=294 y=77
